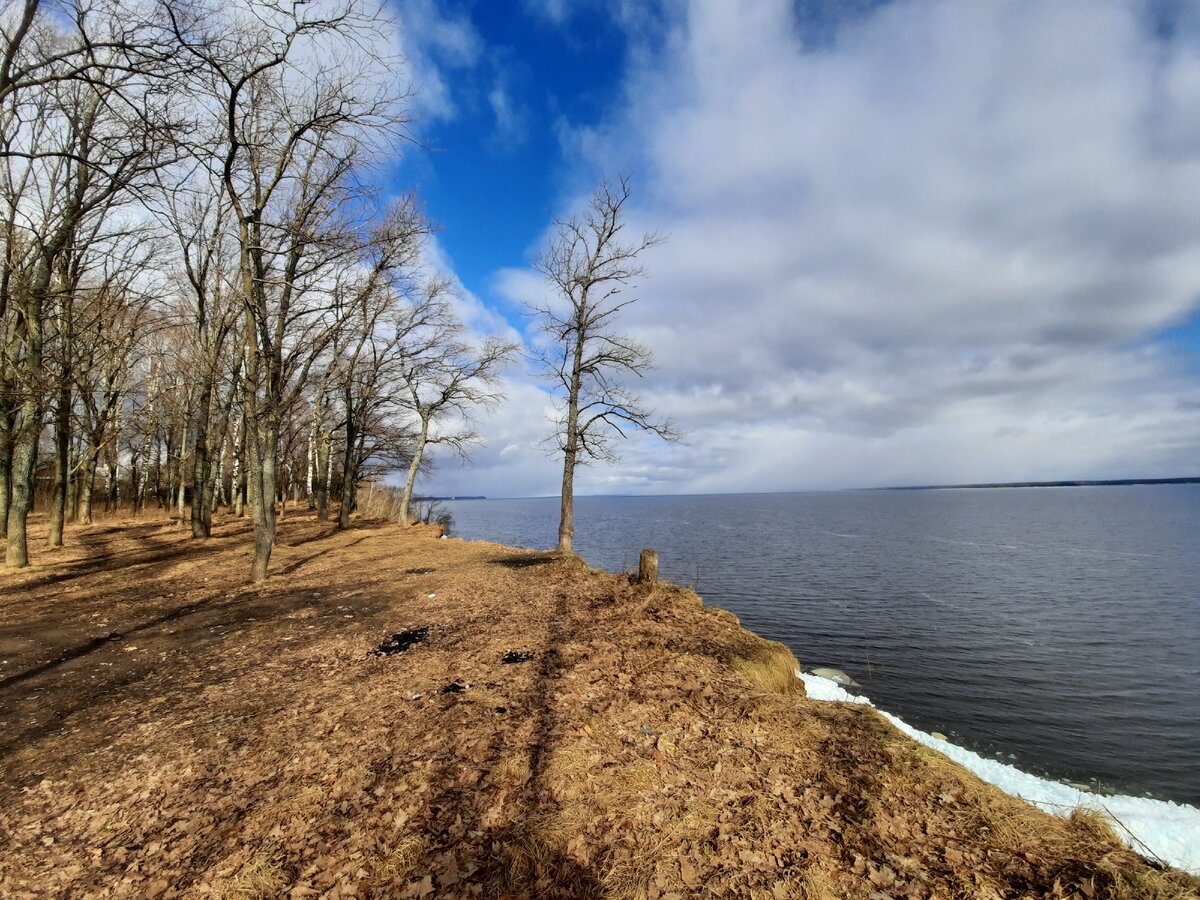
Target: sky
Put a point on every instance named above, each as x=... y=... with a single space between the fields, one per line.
x=909 y=242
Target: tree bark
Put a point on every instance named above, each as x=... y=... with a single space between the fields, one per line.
x=62 y=462
x=566 y=520
x=349 y=466
x=7 y=421
x=263 y=487
x=413 y=467
x=324 y=453
x=237 y=478
x=201 y=474
x=88 y=477
x=29 y=429
x=62 y=424
x=24 y=468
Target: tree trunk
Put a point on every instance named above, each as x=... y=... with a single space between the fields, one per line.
x=237 y=478
x=411 y=480
x=114 y=483
x=62 y=427
x=88 y=479
x=62 y=461
x=181 y=495
x=7 y=420
x=349 y=469
x=201 y=474
x=23 y=470
x=74 y=486
x=262 y=476
x=566 y=520
x=324 y=458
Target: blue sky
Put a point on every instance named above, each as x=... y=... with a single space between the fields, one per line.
x=495 y=173
x=910 y=242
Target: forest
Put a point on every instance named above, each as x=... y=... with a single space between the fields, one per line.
x=212 y=293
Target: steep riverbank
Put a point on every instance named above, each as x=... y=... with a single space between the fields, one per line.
x=543 y=729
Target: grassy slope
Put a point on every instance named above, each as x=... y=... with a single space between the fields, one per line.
x=230 y=741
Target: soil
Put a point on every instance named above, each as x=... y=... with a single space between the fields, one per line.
x=167 y=730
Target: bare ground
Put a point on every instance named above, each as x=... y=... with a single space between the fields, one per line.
x=167 y=730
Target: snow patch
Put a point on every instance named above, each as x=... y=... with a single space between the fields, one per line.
x=1169 y=831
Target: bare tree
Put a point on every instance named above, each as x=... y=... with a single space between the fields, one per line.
x=591 y=267
x=196 y=212
x=111 y=329
x=445 y=379
x=300 y=106
x=366 y=357
x=94 y=143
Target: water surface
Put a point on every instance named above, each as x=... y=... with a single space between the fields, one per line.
x=1055 y=628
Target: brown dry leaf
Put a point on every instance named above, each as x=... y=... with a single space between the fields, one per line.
x=280 y=740
x=687 y=873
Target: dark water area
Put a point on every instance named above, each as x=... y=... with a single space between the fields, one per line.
x=1054 y=628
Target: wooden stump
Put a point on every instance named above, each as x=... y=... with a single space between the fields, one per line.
x=648 y=567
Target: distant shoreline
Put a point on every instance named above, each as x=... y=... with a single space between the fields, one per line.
x=1111 y=482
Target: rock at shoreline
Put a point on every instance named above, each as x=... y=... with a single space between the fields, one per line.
x=837 y=676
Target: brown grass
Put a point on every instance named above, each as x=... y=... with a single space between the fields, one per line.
x=244 y=741
x=771 y=666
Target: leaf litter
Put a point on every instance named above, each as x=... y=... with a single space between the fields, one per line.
x=651 y=753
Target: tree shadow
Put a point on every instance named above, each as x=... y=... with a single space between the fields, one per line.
x=515 y=856
x=526 y=560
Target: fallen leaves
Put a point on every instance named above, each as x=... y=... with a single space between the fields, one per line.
x=276 y=757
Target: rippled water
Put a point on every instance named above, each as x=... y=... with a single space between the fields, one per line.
x=1056 y=628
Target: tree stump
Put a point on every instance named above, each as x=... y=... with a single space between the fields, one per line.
x=648 y=567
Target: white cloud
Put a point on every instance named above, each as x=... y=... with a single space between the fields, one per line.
x=509 y=114
x=935 y=248
x=435 y=44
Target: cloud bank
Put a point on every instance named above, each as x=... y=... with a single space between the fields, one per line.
x=934 y=244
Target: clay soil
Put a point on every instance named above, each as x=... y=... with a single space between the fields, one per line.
x=167 y=730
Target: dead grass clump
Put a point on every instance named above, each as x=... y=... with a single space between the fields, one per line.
x=398 y=861
x=258 y=878
x=771 y=666
x=672 y=593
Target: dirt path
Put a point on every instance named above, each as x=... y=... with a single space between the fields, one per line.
x=167 y=730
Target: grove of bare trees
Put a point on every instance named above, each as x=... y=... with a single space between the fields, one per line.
x=208 y=299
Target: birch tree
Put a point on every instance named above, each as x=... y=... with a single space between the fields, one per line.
x=591 y=266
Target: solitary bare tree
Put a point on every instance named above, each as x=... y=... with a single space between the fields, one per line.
x=591 y=266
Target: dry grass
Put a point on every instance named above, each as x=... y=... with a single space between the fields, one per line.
x=259 y=878
x=771 y=666
x=650 y=746
x=397 y=862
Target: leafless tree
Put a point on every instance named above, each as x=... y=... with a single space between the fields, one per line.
x=47 y=42
x=591 y=267
x=365 y=361
x=196 y=211
x=300 y=112
x=445 y=380
x=111 y=329
x=93 y=143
